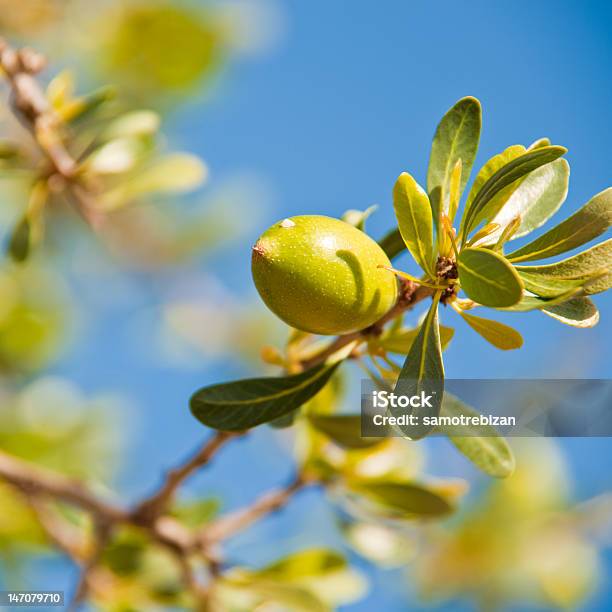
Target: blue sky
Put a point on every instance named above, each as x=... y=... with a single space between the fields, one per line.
x=350 y=98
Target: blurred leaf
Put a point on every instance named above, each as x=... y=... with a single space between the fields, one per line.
x=592 y=220
x=481 y=444
x=406 y=499
x=380 y=544
x=499 y=335
x=578 y=268
x=343 y=429
x=414 y=217
x=484 y=203
x=401 y=340
x=81 y=108
x=456 y=138
x=134 y=124
x=357 y=218
x=196 y=513
x=309 y=562
x=488 y=278
x=537 y=197
x=243 y=404
x=192 y=47
x=577 y=312
x=115 y=157
x=125 y=554
x=19 y=245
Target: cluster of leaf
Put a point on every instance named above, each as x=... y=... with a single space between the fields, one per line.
x=119 y=162
x=513 y=194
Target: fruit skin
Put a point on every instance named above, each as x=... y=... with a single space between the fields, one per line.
x=321 y=275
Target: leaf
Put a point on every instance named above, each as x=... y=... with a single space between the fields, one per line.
x=537 y=197
x=592 y=220
x=487 y=171
x=534 y=302
x=196 y=513
x=484 y=203
x=343 y=429
x=577 y=312
x=308 y=562
x=481 y=444
x=413 y=212
x=401 y=340
x=423 y=369
x=456 y=138
x=20 y=244
x=243 y=404
x=551 y=286
x=488 y=278
x=357 y=218
x=134 y=124
x=392 y=243
x=592 y=262
x=115 y=157
x=499 y=335
x=81 y=108
x=412 y=500
x=539 y=143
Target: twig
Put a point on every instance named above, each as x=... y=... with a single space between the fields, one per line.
x=152 y=507
x=411 y=294
x=237 y=521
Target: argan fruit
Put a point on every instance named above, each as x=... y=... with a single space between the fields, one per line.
x=322 y=276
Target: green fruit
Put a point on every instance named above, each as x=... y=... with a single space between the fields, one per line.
x=322 y=275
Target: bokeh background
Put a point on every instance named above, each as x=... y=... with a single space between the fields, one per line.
x=299 y=107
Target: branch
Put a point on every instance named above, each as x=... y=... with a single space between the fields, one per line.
x=237 y=521
x=34 y=479
x=410 y=295
x=154 y=506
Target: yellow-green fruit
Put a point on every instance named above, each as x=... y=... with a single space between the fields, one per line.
x=322 y=275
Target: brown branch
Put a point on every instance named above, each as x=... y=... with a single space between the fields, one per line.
x=154 y=506
x=411 y=295
x=231 y=524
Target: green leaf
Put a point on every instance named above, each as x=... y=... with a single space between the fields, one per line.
x=592 y=220
x=196 y=513
x=423 y=369
x=392 y=243
x=343 y=429
x=243 y=404
x=413 y=212
x=456 y=138
x=578 y=268
x=20 y=243
x=486 y=172
x=577 y=312
x=484 y=203
x=357 y=218
x=535 y=199
x=547 y=286
x=539 y=143
x=308 y=562
x=488 y=278
x=481 y=444
x=499 y=335
x=406 y=499
x=400 y=341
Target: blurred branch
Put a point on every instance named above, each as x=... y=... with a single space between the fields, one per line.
x=36 y=114
x=233 y=523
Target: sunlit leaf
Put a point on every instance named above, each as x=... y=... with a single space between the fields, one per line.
x=537 y=197
x=414 y=217
x=549 y=286
x=115 y=157
x=357 y=218
x=456 y=138
x=483 y=205
x=488 y=278
x=133 y=125
x=592 y=220
x=243 y=404
x=499 y=335
x=578 y=268
x=577 y=312
x=401 y=340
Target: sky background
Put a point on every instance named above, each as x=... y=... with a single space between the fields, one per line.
x=350 y=97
